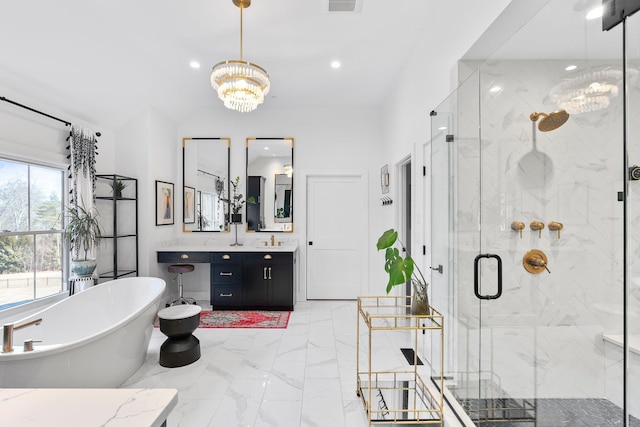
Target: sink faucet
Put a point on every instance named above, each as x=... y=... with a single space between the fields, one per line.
x=272 y=240
x=9 y=328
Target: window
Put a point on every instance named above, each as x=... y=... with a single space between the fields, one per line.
x=31 y=254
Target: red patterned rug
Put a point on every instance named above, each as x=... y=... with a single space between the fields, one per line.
x=244 y=319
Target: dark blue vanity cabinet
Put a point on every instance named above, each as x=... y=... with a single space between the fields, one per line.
x=226 y=280
x=268 y=280
x=245 y=280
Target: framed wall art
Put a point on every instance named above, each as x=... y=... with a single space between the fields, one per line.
x=164 y=203
x=189 y=213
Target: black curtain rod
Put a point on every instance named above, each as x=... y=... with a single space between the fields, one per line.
x=66 y=123
x=207 y=173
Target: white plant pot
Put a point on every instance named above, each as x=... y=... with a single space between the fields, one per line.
x=81 y=267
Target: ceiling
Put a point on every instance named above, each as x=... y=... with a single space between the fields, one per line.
x=107 y=61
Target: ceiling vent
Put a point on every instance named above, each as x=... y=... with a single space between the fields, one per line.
x=352 y=6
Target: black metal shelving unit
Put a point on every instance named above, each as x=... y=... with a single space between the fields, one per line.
x=119 y=234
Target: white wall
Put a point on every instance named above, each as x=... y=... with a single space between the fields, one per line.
x=148 y=150
x=326 y=139
x=427 y=78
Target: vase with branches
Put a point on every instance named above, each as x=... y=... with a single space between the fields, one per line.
x=235 y=202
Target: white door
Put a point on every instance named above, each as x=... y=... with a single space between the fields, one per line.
x=337 y=217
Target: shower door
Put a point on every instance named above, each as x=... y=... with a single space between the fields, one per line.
x=527 y=226
x=468 y=241
x=632 y=349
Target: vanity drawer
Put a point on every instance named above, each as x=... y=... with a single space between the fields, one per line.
x=225 y=257
x=183 y=257
x=271 y=257
x=226 y=295
x=226 y=273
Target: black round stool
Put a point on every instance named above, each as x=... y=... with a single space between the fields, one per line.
x=181 y=347
x=181 y=268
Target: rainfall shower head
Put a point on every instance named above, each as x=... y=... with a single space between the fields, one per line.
x=551 y=121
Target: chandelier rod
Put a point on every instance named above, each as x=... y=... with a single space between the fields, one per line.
x=241 y=32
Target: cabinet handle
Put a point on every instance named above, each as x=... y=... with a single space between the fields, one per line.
x=184 y=256
x=226 y=256
x=222 y=273
x=267 y=256
x=269 y=273
x=264 y=273
x=226 y=295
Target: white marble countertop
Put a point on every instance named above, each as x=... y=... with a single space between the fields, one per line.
x=113 y=407
x=256 y=247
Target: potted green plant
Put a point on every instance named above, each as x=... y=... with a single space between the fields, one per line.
x=117 y=186
x=82 y=233
x=403 y=269
x=236 y=202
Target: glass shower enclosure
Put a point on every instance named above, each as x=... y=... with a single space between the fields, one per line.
x=536 y=220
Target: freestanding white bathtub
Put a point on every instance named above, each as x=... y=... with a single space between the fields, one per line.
x=94 y=339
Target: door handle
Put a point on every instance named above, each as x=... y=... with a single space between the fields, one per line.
x=476 y=277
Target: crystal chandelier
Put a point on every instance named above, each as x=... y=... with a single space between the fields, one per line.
x=240 y=84
x=590 y=91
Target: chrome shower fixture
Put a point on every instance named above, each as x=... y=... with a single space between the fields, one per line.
x=551 y=121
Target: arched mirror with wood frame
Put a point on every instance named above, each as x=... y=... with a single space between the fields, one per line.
x=269 y=185
x=205 y=180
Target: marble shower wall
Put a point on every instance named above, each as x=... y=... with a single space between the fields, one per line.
x=544 y=335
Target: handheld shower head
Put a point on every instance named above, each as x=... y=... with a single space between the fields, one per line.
x=551 y=121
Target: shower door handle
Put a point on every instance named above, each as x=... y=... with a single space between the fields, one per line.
x=476 y=277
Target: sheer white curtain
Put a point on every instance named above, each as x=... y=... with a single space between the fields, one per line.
x=83 y=169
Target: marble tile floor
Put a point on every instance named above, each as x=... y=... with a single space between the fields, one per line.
x=304 y=375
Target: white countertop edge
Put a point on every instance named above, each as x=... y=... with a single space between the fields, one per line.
x=113 y=407
x=228 y=248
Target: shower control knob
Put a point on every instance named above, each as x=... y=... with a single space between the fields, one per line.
x=517 y=226
x=535 y=261
x=537 y=226
x=556 y=226
x=634 y=173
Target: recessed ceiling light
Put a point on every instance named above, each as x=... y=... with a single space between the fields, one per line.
x=571 y=67
x=194 y=64
x=442 y=128
x=595 y=13
x=266 y=148
x=495 y=89
x=335 y=64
